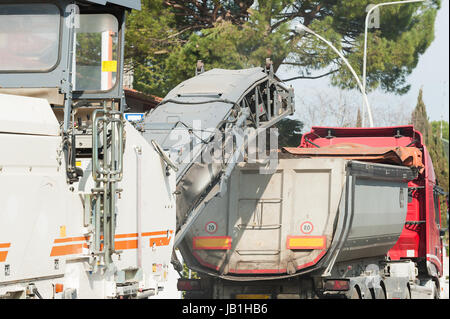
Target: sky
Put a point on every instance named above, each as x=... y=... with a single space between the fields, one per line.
x=431 y=73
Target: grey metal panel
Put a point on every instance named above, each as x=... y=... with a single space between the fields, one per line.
x=231 y=84
x=379 y=209
x=205 y=117
x=381 y=171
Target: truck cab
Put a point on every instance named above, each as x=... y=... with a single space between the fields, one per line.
x=64 y=51
x=420 y=239
x=69 y=53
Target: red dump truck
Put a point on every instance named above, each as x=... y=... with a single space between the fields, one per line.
x=350 y=213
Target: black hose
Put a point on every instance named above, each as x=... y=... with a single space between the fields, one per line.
x=198 y=102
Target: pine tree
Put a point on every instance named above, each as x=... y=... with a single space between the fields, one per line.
x=167 y=37
x=419 y=118
x=289 y=131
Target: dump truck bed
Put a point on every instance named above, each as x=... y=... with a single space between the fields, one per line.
x=307 y=214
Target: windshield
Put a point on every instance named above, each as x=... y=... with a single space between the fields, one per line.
x=29 y=37
x=96 y=42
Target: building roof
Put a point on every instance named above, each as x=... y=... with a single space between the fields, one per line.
x=131 y=4
x=140 y=102
x=139 y=95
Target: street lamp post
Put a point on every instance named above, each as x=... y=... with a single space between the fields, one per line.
x=300 y=27
x=365 y=40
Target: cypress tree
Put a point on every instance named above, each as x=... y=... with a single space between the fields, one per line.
x=358 y=119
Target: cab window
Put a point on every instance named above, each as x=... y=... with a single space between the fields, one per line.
x=29 y=37
x=96 y=51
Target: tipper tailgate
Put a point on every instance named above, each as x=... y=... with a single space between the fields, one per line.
x=271 y=223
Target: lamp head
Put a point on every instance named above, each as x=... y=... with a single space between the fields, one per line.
x=300 y=28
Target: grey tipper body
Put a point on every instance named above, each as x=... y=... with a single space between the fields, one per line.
x=339 y=198
x=352 y=205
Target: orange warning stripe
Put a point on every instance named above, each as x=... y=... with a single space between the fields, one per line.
x=306 y=242
x=119 y=236
x=211 y=242
x=4 y=254
x=124 y=236
x=157 y=233
x=126 y=244
x=71 y=249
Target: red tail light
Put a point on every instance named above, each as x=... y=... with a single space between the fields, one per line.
x=337 y=285
x=188 y=284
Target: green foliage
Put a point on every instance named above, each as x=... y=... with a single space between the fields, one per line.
x=150 y=37
x=217 y=47
x=419 y=118
x=89 y=46
x=185 y=274
x=435 y=147
x=436 y=127
x=289 y=131
x=166 y=38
